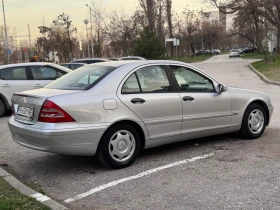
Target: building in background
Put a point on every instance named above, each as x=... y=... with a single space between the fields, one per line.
x=218 y=17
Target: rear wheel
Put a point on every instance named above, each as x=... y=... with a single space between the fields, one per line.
x=254 y=122
x=2 y=108
x=119 y=146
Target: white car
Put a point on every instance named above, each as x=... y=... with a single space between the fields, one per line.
x=234 y=53
x=25 y=76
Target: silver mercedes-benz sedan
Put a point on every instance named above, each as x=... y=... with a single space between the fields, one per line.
x=116 y=109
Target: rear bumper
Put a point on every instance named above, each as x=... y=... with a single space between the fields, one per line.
x=79 y=140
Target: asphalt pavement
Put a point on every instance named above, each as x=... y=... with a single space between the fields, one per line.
x=236 y=174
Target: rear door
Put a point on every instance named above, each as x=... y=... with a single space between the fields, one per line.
x=14 y=79
x=43 y=75
x=150 y=94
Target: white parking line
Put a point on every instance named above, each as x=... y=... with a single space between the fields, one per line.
x=145 y=173
x=40 y=197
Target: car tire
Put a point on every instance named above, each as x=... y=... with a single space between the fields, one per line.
x=2 y=108
x=254 y=122
x=119 y=146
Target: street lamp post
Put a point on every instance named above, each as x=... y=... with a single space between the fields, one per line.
x=6 y=36
x=86 y=22
x=91 y=37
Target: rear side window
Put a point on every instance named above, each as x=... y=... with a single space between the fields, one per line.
x=148 y=80
x=44 y=72
x=14 y=73
x=81 y=79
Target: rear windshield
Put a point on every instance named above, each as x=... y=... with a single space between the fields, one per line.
x=83 y=78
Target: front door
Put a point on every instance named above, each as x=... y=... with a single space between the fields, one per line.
x=149 y=93
x=203 y=108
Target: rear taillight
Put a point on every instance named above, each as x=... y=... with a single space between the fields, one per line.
x=52 y=113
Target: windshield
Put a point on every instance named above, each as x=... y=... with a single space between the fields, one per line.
x=81 y=79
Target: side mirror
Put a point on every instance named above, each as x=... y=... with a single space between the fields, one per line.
x=221 y=88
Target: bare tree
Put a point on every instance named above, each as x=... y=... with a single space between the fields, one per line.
x=65 y=22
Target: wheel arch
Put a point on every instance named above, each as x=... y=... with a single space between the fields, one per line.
x=140 y=129
x=262 y=104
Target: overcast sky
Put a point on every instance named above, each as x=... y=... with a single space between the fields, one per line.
x=20 y=13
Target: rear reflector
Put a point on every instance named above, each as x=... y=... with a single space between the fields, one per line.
x=52 y=113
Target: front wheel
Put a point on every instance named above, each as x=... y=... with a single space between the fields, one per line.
x=119 y=146
x=254 y=122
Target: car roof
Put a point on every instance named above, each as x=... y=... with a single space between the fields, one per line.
x=89 y=59
x=132 y=57
x=136 y=63
x=35 y=64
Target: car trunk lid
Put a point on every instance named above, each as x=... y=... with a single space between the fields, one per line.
x=27 y=105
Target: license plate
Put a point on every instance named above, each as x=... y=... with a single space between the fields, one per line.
x=26 y=112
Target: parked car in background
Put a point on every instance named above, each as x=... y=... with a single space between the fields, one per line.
x=234 y=53
x=201 y=52
x=248 y=50
x=131 y=58
x=116 y=109
x=113 y=59
x=25 y=76
x=215 y=52
x=90 y=60
x=72 y=66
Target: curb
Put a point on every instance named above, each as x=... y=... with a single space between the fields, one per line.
x=263 y=77
x=29 y=192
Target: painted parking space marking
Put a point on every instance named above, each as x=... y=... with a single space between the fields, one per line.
x=145 y=173
x=40 y=197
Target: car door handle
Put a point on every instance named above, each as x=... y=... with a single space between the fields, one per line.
x=6 y=85
x=188 y=98
x=38 y=85
x=137 y=101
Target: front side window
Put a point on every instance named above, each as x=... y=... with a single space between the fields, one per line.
x=15 y=73
x=81 y=79
x=43 y=72
x=191 y=81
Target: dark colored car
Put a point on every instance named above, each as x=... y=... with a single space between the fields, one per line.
x=72 y=66
x=90 y=60
x=248 y=50
x=113 y=59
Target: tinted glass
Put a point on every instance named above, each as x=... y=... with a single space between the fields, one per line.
x=81 y=79
x=192 y=81
x=153 y=79
x=76 y=66
x=131 y=85
x=15 y=73
x=43 y=72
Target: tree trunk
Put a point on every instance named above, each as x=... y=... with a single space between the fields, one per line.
x=151 y=14
x=169 y=21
